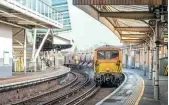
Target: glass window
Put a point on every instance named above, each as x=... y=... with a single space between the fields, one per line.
x=115 y=54
x=100 y=55
x=107 y=54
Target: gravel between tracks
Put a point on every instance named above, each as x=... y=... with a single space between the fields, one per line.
x=102 y=93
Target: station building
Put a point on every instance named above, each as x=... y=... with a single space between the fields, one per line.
x=26 y=27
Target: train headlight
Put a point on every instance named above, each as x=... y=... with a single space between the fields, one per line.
x=107 y=69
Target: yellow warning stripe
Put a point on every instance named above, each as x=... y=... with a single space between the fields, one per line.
x=141 y=94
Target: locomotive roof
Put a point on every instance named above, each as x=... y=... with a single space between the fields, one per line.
x=107 y=47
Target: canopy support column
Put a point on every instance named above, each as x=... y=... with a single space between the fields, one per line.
x=34 y=48
x=41 y=45
x=25 y=39
x=144 y=59
x=151 y=58
x=156 y=63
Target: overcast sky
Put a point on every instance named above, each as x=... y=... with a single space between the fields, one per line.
x=86 y=31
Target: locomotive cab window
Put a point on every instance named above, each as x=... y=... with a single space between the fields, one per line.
x=100 y=55
x=107 y=54
x=115 y=54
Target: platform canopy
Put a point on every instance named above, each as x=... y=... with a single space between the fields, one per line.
x=132 y=21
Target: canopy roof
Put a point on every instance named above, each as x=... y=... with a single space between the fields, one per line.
x=131 y=23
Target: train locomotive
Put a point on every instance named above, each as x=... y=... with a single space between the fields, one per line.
x=108 y=65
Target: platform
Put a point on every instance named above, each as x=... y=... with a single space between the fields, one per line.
x=137 y=90
x=147 y=98
x=21 y=77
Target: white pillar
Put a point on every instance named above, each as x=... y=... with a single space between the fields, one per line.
x=151 y=58
x=144 y=59
x=41 y=45
x=156 y=86
x=43 y=60
x=56 y=61
x=54 y=58
x=154 y=59
x=25 y=32
x=165 y=51
x=34 y=44
x=33 y=51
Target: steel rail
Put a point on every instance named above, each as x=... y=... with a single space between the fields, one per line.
x=66 y=94
x=84 y=96
x=46 y=93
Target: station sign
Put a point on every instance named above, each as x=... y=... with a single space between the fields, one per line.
x=137 y=46
x=165 y=41
x=29 y=37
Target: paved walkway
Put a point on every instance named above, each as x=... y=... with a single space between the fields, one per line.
x=147 y=98
x=128 y=93
x=137 y=90
x=21 y=76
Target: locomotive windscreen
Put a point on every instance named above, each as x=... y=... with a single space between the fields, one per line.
x=107 y=54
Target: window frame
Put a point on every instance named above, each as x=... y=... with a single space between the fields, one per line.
x=104 y=51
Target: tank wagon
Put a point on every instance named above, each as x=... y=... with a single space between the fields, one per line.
x=69 y=60
x=78 y=60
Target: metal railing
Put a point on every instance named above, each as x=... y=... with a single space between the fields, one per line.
x=42 y=8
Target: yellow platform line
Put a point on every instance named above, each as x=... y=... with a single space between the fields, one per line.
x=142 y=92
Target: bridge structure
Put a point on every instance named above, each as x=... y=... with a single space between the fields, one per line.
x=26 y=27
x=142 y=25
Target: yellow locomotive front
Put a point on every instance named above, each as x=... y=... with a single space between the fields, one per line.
x=108 y=65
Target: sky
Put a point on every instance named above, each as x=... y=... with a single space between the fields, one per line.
x=87 y=32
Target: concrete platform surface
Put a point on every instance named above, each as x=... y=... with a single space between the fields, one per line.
x=22 y=77
x=137 y=90
x=128 y=93
x=148 y=96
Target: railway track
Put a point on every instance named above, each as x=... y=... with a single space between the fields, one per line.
x=33 y=100
x=61 y=93
x=69 y=93
x=74 y=93
x=82 y=98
